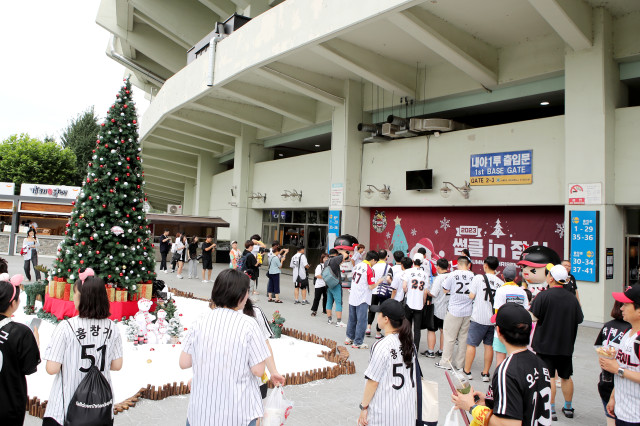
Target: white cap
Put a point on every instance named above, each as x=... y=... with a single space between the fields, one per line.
x=418 y=256
x=559 y=273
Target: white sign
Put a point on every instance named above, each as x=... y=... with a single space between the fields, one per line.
x=7 y=188
x=585 y=193
x=49 y=191
x=337 y=194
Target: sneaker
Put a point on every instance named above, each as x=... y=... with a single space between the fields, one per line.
x=568 y=412
x=379 y=336
x=304 y=302
x=340 y=324
x=165 y=271
x=439 y=365
x=554 y=416
x=367 y=333
x=485 y=377
x=296 y=302
x=361 y=346
x=329 y=320
x=348 y=341
x=429 y=354
x=313 y=314
x=205 y=281
x=439 y=353
x=179 y=276
x=469 y=376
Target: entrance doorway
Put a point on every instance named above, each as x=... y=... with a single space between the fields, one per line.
x=632 y=259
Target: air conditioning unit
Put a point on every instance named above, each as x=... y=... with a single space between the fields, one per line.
x=174 y=209
x=434 y=125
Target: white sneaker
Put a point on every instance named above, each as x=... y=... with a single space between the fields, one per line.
x=340 y=324
x=205 y=281
x=179 y=276
x=165 y=271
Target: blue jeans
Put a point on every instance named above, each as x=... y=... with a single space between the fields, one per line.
x=357 y=324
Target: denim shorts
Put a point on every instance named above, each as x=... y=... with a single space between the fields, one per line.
x=480 y=333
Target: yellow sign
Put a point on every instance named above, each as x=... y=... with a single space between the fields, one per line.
x=502 y=180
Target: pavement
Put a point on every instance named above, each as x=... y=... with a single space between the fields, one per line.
x=335 y=402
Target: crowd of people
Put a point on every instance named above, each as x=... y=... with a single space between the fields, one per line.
x=533 y=338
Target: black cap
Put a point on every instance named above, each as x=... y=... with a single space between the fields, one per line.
x=390 y=308
x=345 y=242
x=510 y=316
x=538 y=257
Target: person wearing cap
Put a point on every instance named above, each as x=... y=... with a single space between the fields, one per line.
x=571 y=280
x=389 y=393
x=519 y=392
x=508 y=292
x=625 y=397
x=415 y=284
x=359 y=300
x=558 y=314
x=234 y=255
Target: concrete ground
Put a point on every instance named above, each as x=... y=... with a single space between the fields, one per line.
x=335 y=402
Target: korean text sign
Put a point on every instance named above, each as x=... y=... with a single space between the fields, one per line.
x=584 y=245
x=502 y=168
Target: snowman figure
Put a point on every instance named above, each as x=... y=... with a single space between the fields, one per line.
x=143 y=318
x=162 y=327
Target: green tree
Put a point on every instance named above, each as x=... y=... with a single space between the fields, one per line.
x=80 y=137
x=24 y=159
x=108 y=229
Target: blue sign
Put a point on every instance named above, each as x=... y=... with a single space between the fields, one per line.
x=502 y=168
x=334 y=227
x=584 y=245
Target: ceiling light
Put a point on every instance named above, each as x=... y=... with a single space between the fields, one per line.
x=385 y=192
x=544 y=103
x=445 y=191
x=317 y=146
x=280 y=155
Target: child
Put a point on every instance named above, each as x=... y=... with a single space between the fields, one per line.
x=19 y=355
x=320 y=287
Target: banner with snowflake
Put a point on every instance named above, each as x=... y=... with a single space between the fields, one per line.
x=485 y=231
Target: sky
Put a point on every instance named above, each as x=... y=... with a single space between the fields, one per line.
x=53 y=66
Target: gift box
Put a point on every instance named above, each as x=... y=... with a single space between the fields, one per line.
x=111 y=293
x=146 y=291
x=121 y=295
x=71 y=292
x=67 y=291
x=51 y=290
x=60 y=287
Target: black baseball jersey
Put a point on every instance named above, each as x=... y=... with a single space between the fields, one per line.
x=19 y=356
x=521 y=390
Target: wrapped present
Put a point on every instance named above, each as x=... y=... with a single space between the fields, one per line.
x=71 y=292
x=60 y=287
x=67 y=291
x=134 y=297
x=147 y=289
x=51 y=291
x=111 y=293
x=121 y=295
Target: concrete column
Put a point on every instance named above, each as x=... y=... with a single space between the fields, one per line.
x=256 y=8
x=346 y=158
x=207 y=167
x=188 y=204
x=246 y=221
x=592 y=92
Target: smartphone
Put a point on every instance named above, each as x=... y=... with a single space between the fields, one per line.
x=35 y=323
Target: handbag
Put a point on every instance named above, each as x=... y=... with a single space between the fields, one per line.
x=427 y=400
x=428 y=319
x=176 y=257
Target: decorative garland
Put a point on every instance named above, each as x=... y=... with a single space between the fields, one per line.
x=337 y=354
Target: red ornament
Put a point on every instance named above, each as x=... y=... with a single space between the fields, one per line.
x=95 y=179
x=127 y=174
x=140 y=262
x=98 y=141
x=83 y=243
x=133 y=208
x=104 y=206
x=76 y=243
x=138 y=186
x=109 y=276
x=121 y=274
x=90 y=164
x=94 y=151
x=90 y=197
x=126 y=91
x=76 y=223
x=102 y=124
x=73 y=203
x=68 y=225
x=88 y=180
x=125 y=106
x=106 y=145
x=97 y=251
x=81 y=262
x=127 y=214
x=68 y=270
x=111 y=190
x=134 y=121
x=128 y=167
x=128 y=158
x=152 y=349
x=138 y=158
x=113 y=120
x=91 y=238
x=101 y=166
x=116 y=179
x=122 y=140
x=139 y=240
x=65 y=232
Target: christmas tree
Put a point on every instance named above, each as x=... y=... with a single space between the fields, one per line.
x=175 y=328
x=398 y=240
x=108 y=229
x=497 y=229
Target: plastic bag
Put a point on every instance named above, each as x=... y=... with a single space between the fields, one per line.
x=276 y=408
x=454 y=418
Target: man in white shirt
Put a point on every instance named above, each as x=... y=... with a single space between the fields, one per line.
x=415 y=283
x=383 y=290
x=299 y=266
x=362 y=283
x=481 y=329
x=441 y=303
x=397 y=293
x=456 y=322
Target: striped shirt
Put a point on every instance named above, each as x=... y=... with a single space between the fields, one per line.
x=627 y=392
x=224 y=344
x=482 y=307
x=441 y=299
x=417 y=282
x=97 y=342
x=394 y=402
x=396 y=282
x=457 y=284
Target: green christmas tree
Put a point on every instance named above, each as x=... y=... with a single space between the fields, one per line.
x=398 y=240
x=108 y=229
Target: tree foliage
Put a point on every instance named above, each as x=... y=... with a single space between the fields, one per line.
x=24 y=159
x=80 y=137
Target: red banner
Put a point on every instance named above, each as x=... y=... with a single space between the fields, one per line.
x=503 y=232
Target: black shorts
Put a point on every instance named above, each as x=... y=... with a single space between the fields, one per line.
x=563 y=364
x=302 y=284
x=438 y=323
x=207 y=263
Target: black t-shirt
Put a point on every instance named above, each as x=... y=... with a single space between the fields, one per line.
x=520 y=389
x=165 y=247
x=206 y=253
x=193 y=248
x=250 y=263
x=559 y=314
x=571 y=285
x=19 y=356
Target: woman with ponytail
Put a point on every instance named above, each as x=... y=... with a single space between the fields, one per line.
x=390 y=391
x=19 y=355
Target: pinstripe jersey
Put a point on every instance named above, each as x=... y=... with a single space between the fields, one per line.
x=417 y=283
x=394 y=402
x=441 y=301
x=482 y=309
x=396 y=283
x=457 y=284
x=76 y=359
x=224 y=344
x=263 y=322
x=627 y=392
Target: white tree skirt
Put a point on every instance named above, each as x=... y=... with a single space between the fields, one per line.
x=291 y=356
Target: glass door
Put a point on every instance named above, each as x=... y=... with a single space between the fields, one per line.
x=633 y=259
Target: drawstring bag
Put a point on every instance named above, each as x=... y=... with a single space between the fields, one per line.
x=454 y=418
x=92 y=402
x=276 y=408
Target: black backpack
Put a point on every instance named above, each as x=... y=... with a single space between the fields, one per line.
x=92 y=402
x=242 y=263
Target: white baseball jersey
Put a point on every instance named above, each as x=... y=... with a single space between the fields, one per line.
x=510 y=292
x=482 y=308
x=362 y=278
x=396 y=283
x=100 y=343
x=440 y=298
x=457 y=283
x=394 y=402
x=628 y=392
x=381 y=269
x=224 y=344
x=298 y=266
x=263 y=322
x=417 y=282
